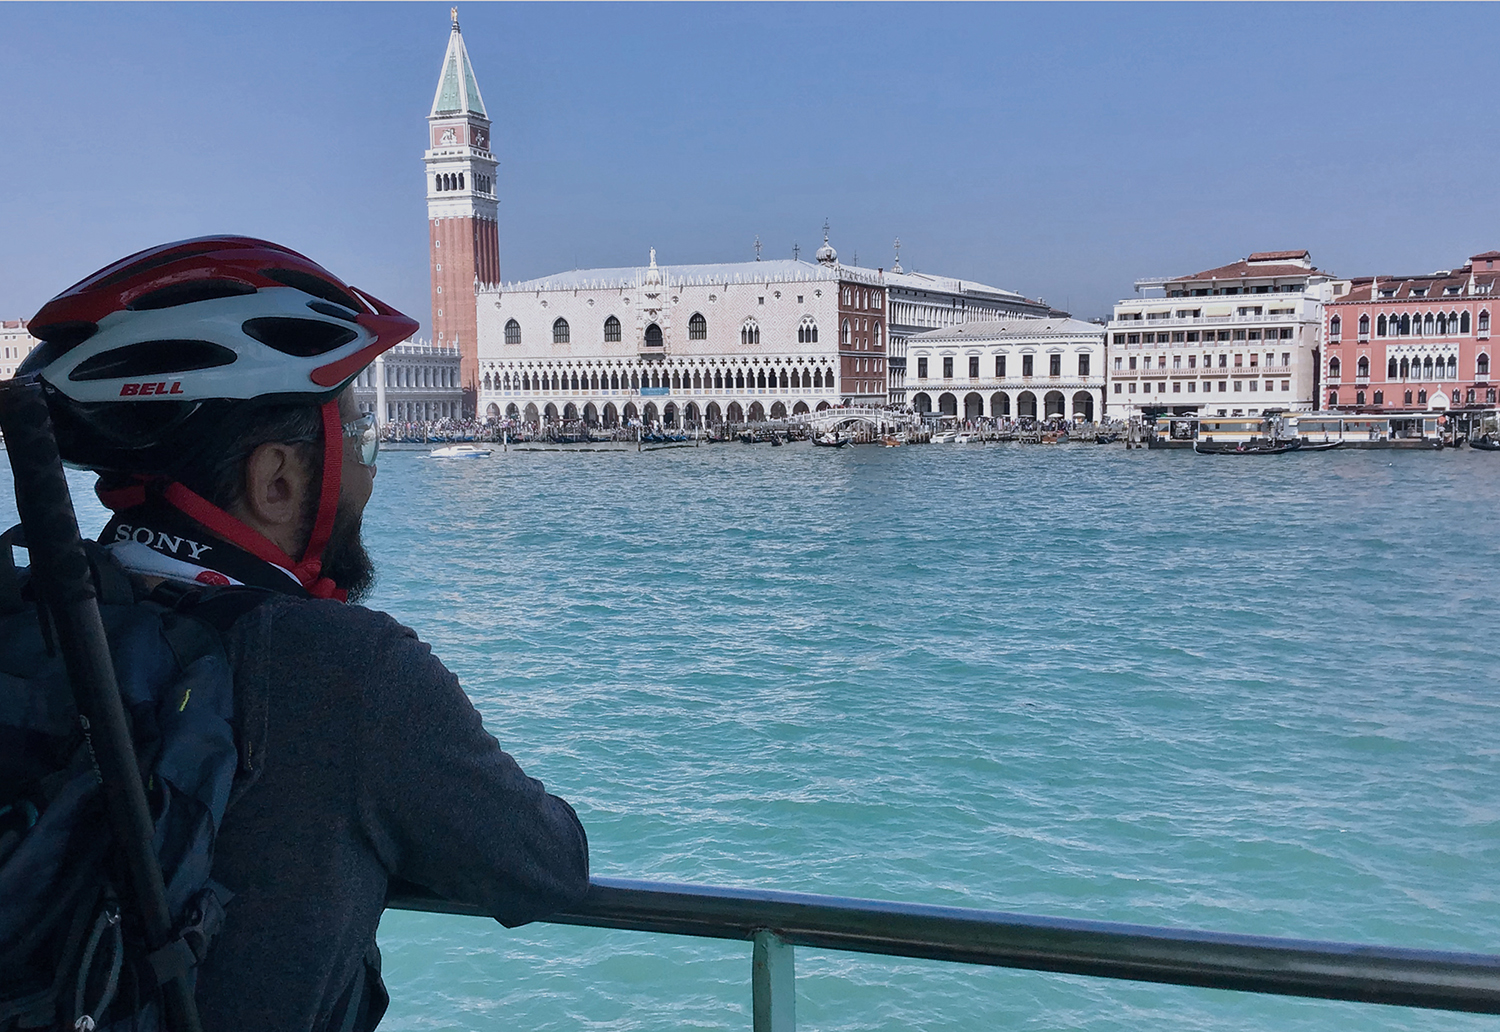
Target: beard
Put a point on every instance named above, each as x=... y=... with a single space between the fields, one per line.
x=345 y=560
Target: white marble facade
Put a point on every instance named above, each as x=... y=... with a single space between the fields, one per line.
x=675 y=345
x=1017 y=368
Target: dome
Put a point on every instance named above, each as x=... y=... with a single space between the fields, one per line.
x=826 y=255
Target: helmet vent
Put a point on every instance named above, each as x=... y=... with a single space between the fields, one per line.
x=152 y=358
x=188 y=293
x=336 y=311
x=302 y=338
x=310 y=284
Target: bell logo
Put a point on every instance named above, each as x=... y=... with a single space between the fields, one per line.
x=128 y=390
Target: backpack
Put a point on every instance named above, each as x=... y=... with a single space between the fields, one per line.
x=71 y=953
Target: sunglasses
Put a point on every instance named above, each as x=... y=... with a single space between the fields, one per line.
x=365 y=432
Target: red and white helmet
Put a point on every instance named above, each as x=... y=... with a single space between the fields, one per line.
x=132 y=354
x=140 y=360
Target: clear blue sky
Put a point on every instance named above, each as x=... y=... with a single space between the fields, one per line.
x=1061 y=150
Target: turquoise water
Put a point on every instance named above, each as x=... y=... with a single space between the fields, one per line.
x=1244 y=695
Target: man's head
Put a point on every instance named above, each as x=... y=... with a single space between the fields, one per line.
x=266 y=471
x=216 y=370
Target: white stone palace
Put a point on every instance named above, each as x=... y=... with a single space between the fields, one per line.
x=1021 y=368
x=683 y=345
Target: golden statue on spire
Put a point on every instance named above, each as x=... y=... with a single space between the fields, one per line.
x=453 y=12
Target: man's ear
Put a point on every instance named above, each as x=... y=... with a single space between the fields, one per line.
x=276 y=485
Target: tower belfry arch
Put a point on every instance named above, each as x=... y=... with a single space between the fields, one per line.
x=462 y=209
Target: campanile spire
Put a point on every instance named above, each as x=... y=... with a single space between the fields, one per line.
x=462 y=208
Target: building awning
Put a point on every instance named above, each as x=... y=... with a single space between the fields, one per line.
x=1218 y=309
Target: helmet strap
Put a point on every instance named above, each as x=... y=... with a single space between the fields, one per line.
x=308 y=570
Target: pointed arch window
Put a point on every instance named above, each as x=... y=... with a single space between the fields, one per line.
x=611 y=330
x=1390 y=370
x=697 y=327
x=1484 y=323
x=844 y=333
x=1380 y=326
x=1406 y=326
x=749 y=333
x=1482 y=364
x=653 y=336
x=1362 y=367
x=560 y=334
x=1333 y=368
x=1453 y=367
x=807 y=330
x=1335 y=328
x=1380 y=397
x=1463 y=323
x=1364 y=325
x=1405 y=369
x=512 y=332
x=1429 y=325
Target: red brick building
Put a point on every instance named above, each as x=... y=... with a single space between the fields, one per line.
x=463 y=232
x=1413 y=342
x=863 y=371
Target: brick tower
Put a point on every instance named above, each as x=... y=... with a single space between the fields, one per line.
x=463 y=237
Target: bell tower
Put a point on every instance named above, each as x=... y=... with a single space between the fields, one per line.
x=463 y=235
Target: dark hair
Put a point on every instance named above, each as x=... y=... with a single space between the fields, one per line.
x=216 y=470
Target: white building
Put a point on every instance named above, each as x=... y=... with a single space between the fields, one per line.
x=917 y=302
x=1020 y=368
x=15 y=344
x=1231 y=341
x=412 y=382
x=683 y=345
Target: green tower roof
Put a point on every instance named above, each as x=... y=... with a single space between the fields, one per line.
x=457 y=92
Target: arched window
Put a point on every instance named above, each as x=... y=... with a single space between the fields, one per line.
x=560 y=331
x=594 y=381
x=1463 y=323
x=653 y=336
x=1482 y=364
x=739 y=379
x=611 y=330
x=512 y=332
x=697 y=379
x=817 y=378
x=1429 y=325
x=1442 y=324
x=1484 y=323
x=1406 y=326
x=1359 y=397
x=844 y=333
x=460 y=180
x=487 y=384
x=875 y=335
x=784 y=381
x=1380 y=397
x=1427 y=368
x=1380 y=327
x=635 y=381
x=828 y=377
x=1333 y=368
x=718 y=379
x=1362 y=367
x=750 y=333
x=1335 y=327
x=571 y=382
x=1364 y=326
x=697 y=327
x=676 y=380
x=1333 y=399
x=1407 y=399
x=796 y=379
x=614 y=381
x=525 y=381
x=1455 y=396
x=1390 y=370
x=1421 y=397
x=1405 y=370
x=1453 y=367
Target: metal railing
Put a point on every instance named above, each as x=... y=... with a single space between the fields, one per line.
x=775 y=922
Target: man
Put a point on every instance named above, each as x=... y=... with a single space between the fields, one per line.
x=208 y=382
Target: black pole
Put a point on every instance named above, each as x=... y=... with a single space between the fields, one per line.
x=65 y=587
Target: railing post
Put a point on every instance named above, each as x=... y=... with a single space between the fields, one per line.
x=772 y=985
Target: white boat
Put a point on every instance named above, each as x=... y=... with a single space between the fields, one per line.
x=965 y=438
x=945 y=437
x=460 y=451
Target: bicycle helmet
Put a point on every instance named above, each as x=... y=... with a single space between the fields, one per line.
x=138 y=360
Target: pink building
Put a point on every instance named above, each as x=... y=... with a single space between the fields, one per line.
x=1413 y=342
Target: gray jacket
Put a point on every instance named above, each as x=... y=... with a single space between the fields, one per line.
x=361 y=760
